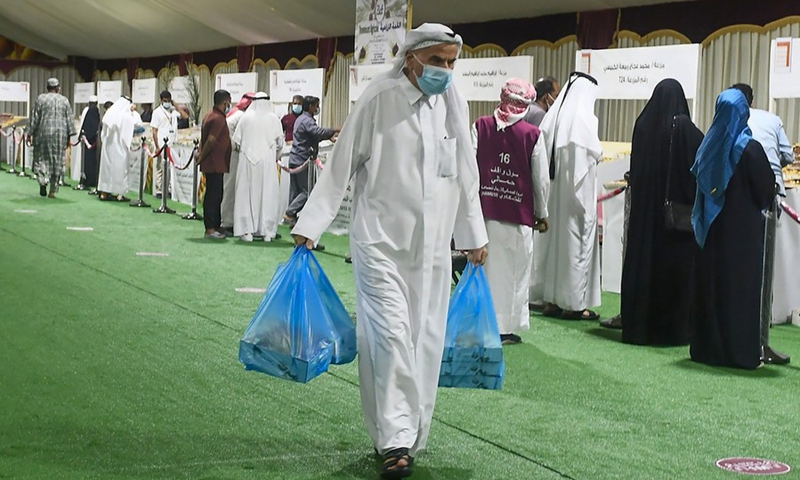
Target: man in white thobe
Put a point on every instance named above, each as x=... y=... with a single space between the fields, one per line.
x=116 y=137
x=259 y=139
x=229 y=179
x=513 y=167
x=407 y=142
x=569 y=276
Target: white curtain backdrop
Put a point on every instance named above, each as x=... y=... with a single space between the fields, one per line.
x=732 y=55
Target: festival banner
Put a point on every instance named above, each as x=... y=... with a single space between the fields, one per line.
x=380 y=30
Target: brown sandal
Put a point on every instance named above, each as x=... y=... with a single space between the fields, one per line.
x=391 y=468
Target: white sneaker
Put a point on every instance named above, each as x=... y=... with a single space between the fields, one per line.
x=247 y=237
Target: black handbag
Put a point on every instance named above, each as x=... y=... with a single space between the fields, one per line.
x=677 y=216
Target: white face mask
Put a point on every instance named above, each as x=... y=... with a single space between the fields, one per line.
x=167 y=105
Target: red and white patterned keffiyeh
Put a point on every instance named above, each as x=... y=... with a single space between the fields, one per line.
x=515 y=97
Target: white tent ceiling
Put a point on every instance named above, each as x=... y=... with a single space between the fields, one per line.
x=143 y=28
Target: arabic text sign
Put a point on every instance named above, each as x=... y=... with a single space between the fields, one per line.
x=179 y=88
x=82 y=91
x=480 y=79
x=144 y=90
x=784 y=76
x=284 y=84
x=15 y=92
x=633 y=73
x=380 y=30
x=361 y=75
x=109 y=91
x=237 y=84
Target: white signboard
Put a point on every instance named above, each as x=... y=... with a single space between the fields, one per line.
x=784 y=71
x=109 y=91
x=480 y=79
x=361 y=75
x=144 y=90
x=179 y=88
x=633 y=73
x=15 y=92
x=380 y=30
x=284 y=84
x=237 y=84
x=82 y=91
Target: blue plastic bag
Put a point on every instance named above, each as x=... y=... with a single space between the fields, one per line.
x=301 y=325
x=473 y=352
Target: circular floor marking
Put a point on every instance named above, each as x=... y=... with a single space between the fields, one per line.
x=152 y=254
x=753 y=466
x=24 y=210
x=81 y=229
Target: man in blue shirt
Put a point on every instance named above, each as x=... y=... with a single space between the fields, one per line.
x=768 y=131
x=306 y=136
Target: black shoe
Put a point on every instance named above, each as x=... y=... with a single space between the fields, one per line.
x=348 y=258
x=158 y=196
x=510 y=339
x=277 y=236
x=319 y=247
x=42 y=190
x=771 y=357
x=613 y=323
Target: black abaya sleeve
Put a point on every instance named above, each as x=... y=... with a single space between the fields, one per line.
x=759 y=174
x=687 y=139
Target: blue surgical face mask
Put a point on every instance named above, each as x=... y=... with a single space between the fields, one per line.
x=166 y=105
x=297 y=109
x=227 y=109
x=434 y=80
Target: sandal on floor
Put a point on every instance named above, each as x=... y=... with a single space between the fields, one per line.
x=390 y=468
x=552 y=312
x=584 y=315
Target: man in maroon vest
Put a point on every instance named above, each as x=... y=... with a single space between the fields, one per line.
x=514 y=183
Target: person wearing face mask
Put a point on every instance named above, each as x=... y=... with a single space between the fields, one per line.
x=306 y=137
x=164 y=122
x=234 y=115
x=408 y=143
x=214 y=161
x=295 y=110
x=547 y=89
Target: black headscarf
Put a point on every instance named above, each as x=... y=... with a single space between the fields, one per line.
x=91 y=123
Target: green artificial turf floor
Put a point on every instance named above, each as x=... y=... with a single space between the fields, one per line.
x=120 y=366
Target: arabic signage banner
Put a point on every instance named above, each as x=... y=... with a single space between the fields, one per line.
x=284 y=84
x=144 y=90
x=15 y=92
x=380 y=30
x=633 y=73
x=82 y=91
x=109 y=91
x=784 y=74
x=238 y=84
x=480 y=79
x=361 y=75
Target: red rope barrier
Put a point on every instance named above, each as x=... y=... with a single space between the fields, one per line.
x=172 y=160
x=611 y=194
x=791 y=212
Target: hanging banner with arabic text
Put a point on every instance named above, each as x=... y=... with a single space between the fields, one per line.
x=380 y=30
x=633 y=73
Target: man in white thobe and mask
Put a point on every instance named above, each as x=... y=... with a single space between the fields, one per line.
x=569 y=276
x=229 y=179
x=407 y=141
x=116 y=136
x=259 y=140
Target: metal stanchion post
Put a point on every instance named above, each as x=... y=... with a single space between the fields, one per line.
x=82 y=183
x=142 y=168
x=13 y=162
x=195 y=180
x=22 y=172
x=164 y=180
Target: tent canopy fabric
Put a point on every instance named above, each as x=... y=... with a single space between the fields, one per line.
x=102 y=29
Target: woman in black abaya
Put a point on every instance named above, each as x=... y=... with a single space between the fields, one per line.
x=657 y=271
x=735 y=184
